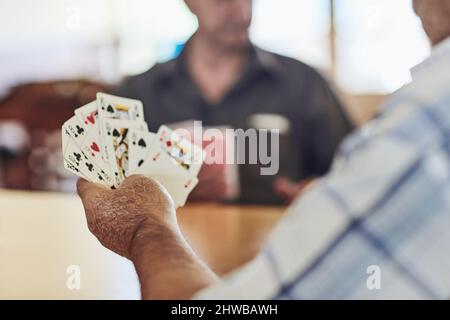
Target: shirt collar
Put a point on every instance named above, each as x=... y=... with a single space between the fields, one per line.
x=258 y=60
x=438 y=53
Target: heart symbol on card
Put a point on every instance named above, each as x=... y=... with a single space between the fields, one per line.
x=95 y=147
x=169 y=143
x=91 y=118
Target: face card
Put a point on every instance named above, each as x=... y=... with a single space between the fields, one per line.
x=112 y=107
x=140 y=144
x=116 y=139
x=186 y=154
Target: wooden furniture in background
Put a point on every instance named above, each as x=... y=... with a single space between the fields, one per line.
x=43 y=234
x=41 y=108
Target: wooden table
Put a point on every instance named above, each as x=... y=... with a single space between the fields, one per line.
x=43 y=234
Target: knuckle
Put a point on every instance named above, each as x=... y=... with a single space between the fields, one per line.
x=143 y=183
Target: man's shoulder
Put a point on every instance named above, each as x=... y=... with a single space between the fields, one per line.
x=288 y=65
x=157 y=72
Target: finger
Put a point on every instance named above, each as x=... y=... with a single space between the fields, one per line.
x=86 y=188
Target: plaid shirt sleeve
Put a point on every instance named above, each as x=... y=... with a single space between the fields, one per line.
x=385 y=206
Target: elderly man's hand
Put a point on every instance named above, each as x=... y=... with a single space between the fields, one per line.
x=140 y=208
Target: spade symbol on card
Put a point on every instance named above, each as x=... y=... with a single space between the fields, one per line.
x=110 y=109
x=140 y=162
x=142 y=143
x=115 y=133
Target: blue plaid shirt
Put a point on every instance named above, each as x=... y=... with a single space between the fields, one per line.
x=378 y=225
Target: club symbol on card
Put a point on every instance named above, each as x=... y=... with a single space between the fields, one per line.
x=142 y=143
x=77 y=156
x=73 y=167
x=100 y=177
x=90 y=166
x=80 y=130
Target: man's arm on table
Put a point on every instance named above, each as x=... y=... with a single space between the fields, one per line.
x=138 y=221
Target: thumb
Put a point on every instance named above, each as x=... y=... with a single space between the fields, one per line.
x=86 y=188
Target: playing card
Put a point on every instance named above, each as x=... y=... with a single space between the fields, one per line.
x=140 y=144
x=177 y=180
x=73 y=169
x=179 y=187
x=65 y=136
x=77 y=161
x=88 y=114
x=187 y=155
x=113 y=107
x=116 y=139
x=107 y=140
x=75 y=129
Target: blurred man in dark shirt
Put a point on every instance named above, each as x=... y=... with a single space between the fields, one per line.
x=222 y=79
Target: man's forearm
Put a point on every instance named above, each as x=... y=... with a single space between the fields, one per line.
x=167 y=266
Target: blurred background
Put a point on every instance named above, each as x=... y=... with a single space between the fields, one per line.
x=56 y=54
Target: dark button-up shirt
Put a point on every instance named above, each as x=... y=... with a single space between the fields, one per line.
x=269 y=84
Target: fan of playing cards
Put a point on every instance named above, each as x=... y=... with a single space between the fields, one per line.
x=107 y=140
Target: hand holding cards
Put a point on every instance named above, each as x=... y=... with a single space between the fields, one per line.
x=108 y=140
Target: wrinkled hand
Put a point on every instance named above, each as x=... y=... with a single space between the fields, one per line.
x=119 y=218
